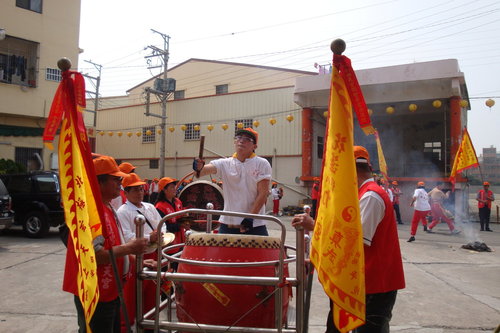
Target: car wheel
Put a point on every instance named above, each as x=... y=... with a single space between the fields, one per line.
x=35 y=225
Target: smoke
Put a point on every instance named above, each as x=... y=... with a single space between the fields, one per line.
x=469 y=231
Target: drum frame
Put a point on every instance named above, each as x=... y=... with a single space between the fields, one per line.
x=146 y=321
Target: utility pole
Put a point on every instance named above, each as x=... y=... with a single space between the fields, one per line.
x=162 y=89
x=96 y=86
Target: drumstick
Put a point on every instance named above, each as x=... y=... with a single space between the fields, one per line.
x=200 y=153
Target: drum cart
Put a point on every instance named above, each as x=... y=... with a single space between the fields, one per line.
x=151 y=319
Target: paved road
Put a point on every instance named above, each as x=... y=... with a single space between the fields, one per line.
x=449 y=289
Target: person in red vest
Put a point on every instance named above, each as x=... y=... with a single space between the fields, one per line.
x=396 y=193
x=484 y=199
x=106 y=317
x=168 y=203
x=315 y=197
x=384 y=274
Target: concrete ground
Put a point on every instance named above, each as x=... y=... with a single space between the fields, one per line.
x=448 y=289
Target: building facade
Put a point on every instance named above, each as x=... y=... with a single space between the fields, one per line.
x=34 y=36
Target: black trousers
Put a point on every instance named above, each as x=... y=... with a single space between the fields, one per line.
x=106 y=317
x=378 y=314
x=398 y=214
x=484 y=218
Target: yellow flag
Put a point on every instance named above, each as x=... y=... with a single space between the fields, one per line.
x=79 y=188
x=465 y=158
x=337 y=246
x=382 y=165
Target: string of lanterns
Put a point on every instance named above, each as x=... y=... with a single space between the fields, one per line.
x=210 y=127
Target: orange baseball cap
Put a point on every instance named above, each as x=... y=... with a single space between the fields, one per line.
x=106 y=165
x=361 y=155
x=126 y=167
x=165 y=181
x=156 y=179
x=394 y=183
x=249 y=131
x=132 y=179
x=420 y=184
x=486 y=184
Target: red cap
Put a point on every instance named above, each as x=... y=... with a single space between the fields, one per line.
x=486 y=184
x=394 y=183
x=420 y=184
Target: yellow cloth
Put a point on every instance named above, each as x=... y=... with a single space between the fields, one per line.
x=337 y=247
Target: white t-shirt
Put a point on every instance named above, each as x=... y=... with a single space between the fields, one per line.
x=275 y=193
x=372 y=211
x=421 y=200
x=128 y=211
x=240 y=185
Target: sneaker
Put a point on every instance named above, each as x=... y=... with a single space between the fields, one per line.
x=412 y=239
x=429 y=230
x=425 y=228
x=489 y=230
x=455 y=231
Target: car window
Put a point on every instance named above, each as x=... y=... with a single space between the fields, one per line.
x=19 y=184
x=3 y=189
x=46 y=183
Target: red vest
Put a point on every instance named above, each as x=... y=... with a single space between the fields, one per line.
x=395 y=191
x=166 y=208
x=483 y=195
x=383 y=264
x=315 y=191
x=108 y=289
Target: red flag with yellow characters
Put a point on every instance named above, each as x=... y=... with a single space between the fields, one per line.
x=465 y=158
x=79 y=188
x=337 y=246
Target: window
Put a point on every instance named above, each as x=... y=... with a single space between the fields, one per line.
x=53 y=74
x=179 y=94
x=47 y=184
x=221 y=89
x=154 y=164
x=320 y=146
x=28 y=157
x=34 y=5
x=18 y=61
x=190 y=133
x=148 y=134
x=246 y=123
x=432 y=150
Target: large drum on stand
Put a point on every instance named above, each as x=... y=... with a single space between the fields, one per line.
x=197 y=195
x=229 y=304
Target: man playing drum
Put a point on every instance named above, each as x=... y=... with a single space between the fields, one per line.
x=246 y=179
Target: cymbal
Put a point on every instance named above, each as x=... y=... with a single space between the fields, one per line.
x=168 y=238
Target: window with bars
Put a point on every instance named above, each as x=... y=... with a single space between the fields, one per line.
x=179 y=94
x=18 y=61
x=190 y=133
x=154 y=164
x=34 y=5
x=221 y=89
x=148 y=134
x=53 y=74
x=246 y=123
x=29 y=157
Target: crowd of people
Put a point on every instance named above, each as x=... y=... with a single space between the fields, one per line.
x=246 y=180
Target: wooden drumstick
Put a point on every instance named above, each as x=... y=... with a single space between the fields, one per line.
x=200 y=153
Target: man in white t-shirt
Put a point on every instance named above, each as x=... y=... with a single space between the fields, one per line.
x=246 y=178
x=422 y=209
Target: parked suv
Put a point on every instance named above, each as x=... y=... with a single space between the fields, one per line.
x=36 y=200
x=6 y=213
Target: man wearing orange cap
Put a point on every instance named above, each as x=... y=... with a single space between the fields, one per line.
x=134 y=191
x=106 y=317
x=126 y=168
x=484 y=199
x=246 y=178
x=384 y=274
x=396 y=192
x=420 y=202
x=275 y=195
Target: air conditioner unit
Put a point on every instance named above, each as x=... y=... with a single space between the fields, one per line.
x=166 y=86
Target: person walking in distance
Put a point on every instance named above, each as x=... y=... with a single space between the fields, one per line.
x=439 y=213
x=276 y=198
x=246 y=179
x=420 y=202
x=484 y=199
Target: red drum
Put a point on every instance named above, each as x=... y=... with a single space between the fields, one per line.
x=224 y=304
x=197 y=195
